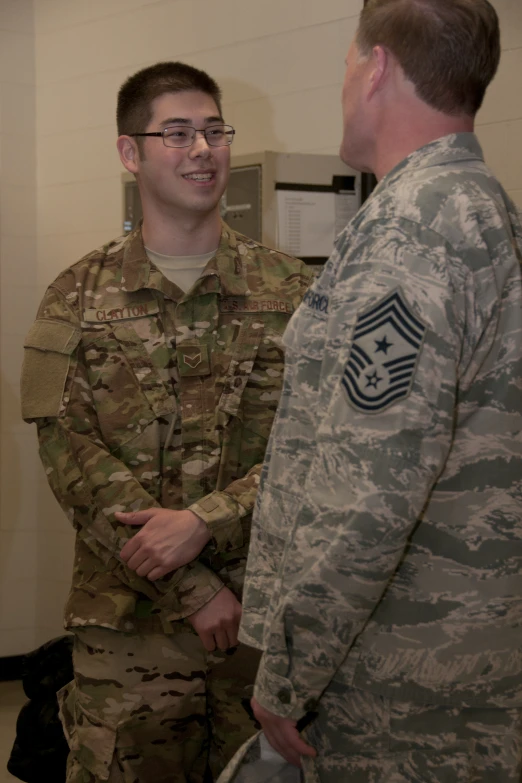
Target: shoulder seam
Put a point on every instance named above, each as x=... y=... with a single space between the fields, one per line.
x=417 y=223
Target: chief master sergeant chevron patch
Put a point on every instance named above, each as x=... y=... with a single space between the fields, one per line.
x=387 y=343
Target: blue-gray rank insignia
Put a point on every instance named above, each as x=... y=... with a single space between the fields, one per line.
x=386 y=345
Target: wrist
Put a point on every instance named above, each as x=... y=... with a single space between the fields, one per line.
x=222 y=515
x=201 y=527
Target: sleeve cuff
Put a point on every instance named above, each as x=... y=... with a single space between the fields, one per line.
x=283 y=697
x=222 y=514
x=276 y=694
x=197 y=587
x=249 y=639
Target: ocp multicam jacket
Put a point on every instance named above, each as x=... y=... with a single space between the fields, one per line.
x=143 y=397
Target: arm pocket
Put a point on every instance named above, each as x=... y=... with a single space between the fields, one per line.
x=48 y=349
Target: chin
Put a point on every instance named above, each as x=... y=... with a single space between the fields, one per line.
x=205 y=208
x=354 y=158
x=350 y=159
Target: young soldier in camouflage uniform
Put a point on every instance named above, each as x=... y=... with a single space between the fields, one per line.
x=384 y=582
x=153 y=387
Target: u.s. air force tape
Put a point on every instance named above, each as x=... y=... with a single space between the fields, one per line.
x=386 y=346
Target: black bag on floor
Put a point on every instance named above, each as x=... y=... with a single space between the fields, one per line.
x=40 y=750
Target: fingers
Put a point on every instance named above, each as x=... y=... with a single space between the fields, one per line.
x=227 y=632
x=207 y=637
x=300 y=746
x=217 y=637
x=232 y=632
x=284 y=749
x=222 y=640
x=289 y=744
x=134 y=517
x=217 y=622
x=158 y=573
x=138 y=557
x=283 y=735
x=131 y=547
x=139 y=560
x=145 y=568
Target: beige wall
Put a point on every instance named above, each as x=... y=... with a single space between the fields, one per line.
x=280 y=63
x=499 y=123
x=19 y=525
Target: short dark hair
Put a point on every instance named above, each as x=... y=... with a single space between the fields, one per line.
x=135 y=97
x=449 y=49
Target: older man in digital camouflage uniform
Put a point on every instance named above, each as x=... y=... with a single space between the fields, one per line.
x=384 y=582
x=153 y=372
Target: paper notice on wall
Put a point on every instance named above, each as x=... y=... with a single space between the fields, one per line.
x=309 y=221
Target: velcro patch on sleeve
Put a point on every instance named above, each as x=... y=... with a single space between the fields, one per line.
x=53 y=336
x=386 y=345
x=48 y=348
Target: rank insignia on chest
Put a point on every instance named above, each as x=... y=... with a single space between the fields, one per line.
x=386 y=345
x=193 y=359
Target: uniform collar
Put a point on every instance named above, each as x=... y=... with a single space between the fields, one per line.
x=228 y=265
x=225 y=273
x=137 y=271
x=448 y=149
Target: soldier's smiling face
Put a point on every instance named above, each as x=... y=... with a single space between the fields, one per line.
x=187 y=179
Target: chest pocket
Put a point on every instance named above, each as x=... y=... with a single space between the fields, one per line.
x=304 y=342
x=241 y=365
x=306 y=334
x=127 y=386
x=253 y=382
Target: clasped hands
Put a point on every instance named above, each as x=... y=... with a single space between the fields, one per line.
x=169 y=540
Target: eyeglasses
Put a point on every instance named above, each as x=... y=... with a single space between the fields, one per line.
x=184 y=135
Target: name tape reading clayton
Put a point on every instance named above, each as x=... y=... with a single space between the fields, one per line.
x=121 y=313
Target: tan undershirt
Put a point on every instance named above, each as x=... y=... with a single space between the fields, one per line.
x=181 y=270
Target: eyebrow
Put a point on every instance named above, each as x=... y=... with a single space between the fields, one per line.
x=184 y=121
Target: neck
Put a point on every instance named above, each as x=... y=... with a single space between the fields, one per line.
x=190 y=235
x=409 y=130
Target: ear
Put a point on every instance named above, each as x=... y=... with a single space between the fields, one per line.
x=380 y=70
x=129 y=153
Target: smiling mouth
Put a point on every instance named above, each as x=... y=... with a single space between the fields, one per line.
x=200 y=177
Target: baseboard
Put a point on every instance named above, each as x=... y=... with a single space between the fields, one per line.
x=11 y=667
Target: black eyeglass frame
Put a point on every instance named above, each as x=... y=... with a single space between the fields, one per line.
x=230 y=133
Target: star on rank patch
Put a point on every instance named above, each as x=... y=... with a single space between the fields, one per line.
x=386 y=345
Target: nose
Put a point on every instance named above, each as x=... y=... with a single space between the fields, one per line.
x=199 y=147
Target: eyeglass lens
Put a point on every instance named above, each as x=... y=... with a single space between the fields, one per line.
x=183 y=135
